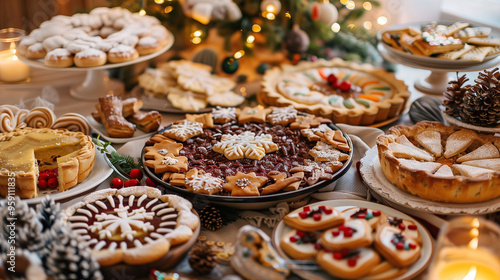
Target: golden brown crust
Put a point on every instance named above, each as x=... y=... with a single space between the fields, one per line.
x=455 y=189
x=360 y=115
x=110 y=112
x=147 y=122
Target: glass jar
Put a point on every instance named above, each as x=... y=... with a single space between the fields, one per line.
x=11 y=68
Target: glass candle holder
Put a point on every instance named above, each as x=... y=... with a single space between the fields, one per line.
x=11 y=68
x=468 y=248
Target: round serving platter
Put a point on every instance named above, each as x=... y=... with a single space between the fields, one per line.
x=250 y=202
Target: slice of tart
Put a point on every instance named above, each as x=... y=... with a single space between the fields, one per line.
x=486 y=151
x=458 y=142
x=431 y=141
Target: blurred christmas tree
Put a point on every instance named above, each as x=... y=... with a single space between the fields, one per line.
x=304 y=28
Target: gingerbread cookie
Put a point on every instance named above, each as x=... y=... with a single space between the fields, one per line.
x=255 y=114
x=184 y=130
x=308 y=121
x=167 y=163
x=300 y=245
x=313 y=219
x=282 y=116
x=280 y=182
x=372 y=216
x=352 y=234
x=244 y=184
x=399 y=249
x=205 y=183
x=347 y=264
x=326 y=152
x=316 y=171
x=205 y=119
x=166 y=146
x=224 y=115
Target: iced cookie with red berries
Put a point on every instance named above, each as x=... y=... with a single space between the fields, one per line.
x=314 y=218
x=409 y=228
x=384 y=271
x=300 y=245
x=348 y=264
x=395 y=246
x=352 y=234
x=372 y=216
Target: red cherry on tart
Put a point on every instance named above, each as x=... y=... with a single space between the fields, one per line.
x=348 y=264
x=300 y=245
x=116 y=183
x=352 y=234
x=345 y=86
x=314 y=218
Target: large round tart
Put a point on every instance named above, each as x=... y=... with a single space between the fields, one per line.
x=441 y=163
x=369 y=95
x=136 y=225
x=25 y=152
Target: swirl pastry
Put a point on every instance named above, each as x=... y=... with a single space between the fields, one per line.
x=11 y=118
x=40 y=117
x=73 y=122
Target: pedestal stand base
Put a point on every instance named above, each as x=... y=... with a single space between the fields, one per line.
x=436 y=83
x=97 y=84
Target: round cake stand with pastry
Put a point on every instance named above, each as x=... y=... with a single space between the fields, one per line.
x=440 y=48
x=103 y=39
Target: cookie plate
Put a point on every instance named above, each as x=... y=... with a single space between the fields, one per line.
x=101 y=130
x=428 y=60
x=251 y=202
x=342 y=204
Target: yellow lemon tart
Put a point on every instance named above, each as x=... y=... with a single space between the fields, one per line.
x=26 y=152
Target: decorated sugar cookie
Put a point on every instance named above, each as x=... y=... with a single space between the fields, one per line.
x=352 y=234
x=309 y=218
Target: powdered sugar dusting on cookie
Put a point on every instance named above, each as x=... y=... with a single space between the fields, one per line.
x=282 y=115
x=169 y=161
x=242 y=183
x=204 y=183
x=224 y=113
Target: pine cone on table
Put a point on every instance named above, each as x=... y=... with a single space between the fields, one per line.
x=202 y=258
x=481 y=102
x=211 y=218
x=454 y=95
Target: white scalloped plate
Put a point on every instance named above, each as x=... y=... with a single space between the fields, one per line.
x=374 y=178
x=342 y=204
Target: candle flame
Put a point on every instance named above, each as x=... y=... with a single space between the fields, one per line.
x=473 y=243
x=475 y=223
x=471 y=275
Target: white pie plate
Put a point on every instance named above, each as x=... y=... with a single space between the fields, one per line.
x=342 y=204
x=100 y=172
x=101 y=130
x=374 y=178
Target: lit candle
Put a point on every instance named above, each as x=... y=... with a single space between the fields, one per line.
x=11 y=68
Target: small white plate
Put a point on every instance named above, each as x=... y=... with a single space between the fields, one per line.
x=101 y=130
x=342 y=204
x=100 y=172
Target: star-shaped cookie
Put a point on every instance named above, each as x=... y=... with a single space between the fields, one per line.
x=167 y=163
x=244 y=184
x=162 y=148
x=252 y=114
x=308 y=121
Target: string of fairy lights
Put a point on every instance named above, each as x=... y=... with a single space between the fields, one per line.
x=271 y=8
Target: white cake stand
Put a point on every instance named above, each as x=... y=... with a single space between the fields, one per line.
x=97 y=83
x=437 y=81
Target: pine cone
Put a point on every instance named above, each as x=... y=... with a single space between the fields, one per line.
x=202 y=258
x=454 y=95
x=481 y=102
x=211 y=218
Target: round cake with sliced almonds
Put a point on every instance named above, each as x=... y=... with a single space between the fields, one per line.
x=441 y=163
x=345 y=92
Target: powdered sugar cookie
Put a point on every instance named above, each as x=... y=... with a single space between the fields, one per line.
x=226 y=99
x=184 y=130
x=90 y=58
x=58 y=58
x=122 y=53
x=186 y=100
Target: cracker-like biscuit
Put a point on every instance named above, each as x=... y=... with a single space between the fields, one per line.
x=484 y=41
x=452 y=29
x=476 y=54
x=454 y=55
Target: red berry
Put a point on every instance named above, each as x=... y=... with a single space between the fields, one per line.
x=131 y=183
x=318 y=246
x=400 y=245
x=150 y=182
x=328 y=211
x=343 y=227
x=345 y=86
x=43 y=176
x=376 y=213
x=42 y=184
x=344 y=251
x=300 y=233
x=116 y=183
x=335 y=233
x=303 y=215
x=412 y=227
x=352 y=262
x=412 y=245
x=348 y=233
x=335 y=84
x=52 y=174
x=52 y=183
x=317 y=217
x=293 y=239
x=331 y=78
x=306 y=209
x=361 y=216
x=322 y=207
x=401 y=226
x=337 y=255
x=136 y=174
